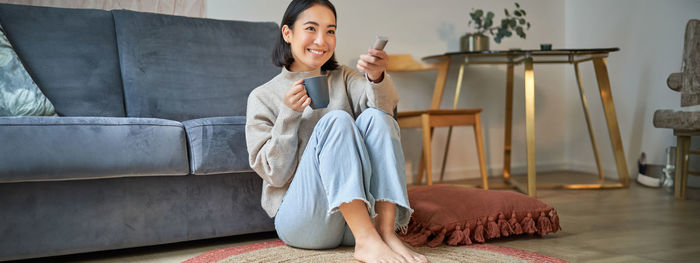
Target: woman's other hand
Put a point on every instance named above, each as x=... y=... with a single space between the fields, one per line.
x=373 y=64
x=296 y=98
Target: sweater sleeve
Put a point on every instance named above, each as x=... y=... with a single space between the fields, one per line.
x=272 y=141
x=366 y=94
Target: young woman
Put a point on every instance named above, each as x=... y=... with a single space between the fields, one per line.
x=332 y=176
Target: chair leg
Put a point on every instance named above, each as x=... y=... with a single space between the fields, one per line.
x=421 y=167
x=682 y=149
x=426 y=148
x=480 y=150
x=444 y=156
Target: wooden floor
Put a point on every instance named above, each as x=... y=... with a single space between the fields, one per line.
x=638 y=224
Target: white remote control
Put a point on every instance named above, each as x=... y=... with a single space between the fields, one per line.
x=380 y=42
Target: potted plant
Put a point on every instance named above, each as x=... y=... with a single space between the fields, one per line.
x=513 y=22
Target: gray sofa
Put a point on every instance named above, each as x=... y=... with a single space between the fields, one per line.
x=149 y=147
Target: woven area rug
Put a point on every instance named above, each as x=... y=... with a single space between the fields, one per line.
x=277 y=251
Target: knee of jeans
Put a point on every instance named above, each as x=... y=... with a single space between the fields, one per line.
x=308 y=241
x=378 y=118
x=338 y=118
x=337 y=114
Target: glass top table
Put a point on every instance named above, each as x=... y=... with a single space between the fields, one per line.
x=520 y=55
x=528 y=58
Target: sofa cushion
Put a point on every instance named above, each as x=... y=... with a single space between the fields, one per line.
x=181 y=68
x=69 y=148
x=71 y=54
x=19 y=95
x=217 y=145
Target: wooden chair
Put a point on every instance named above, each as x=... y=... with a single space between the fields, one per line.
x=685 y=123
x=435 y=117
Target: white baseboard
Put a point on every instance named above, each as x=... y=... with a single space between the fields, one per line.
x=592 y=168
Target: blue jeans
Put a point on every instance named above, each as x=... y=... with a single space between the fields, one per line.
x=345 y=160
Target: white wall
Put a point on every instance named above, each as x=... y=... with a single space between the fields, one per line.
x=192 y=8
x=650 y=35
x=648 y=32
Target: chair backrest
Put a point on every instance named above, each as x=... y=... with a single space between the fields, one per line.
x=687 y=82
x=406 y=63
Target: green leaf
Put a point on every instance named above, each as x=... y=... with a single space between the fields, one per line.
x=488 y=22
x=489 y=15
x=522 y=21
x=513 y=24
x=519 y=31
x=501 y=34
x=528 y=25
x=516 y=12
x=522 y=11
x=479 y=12
x=505 y=23
x=506 y=11
x=508 y=33
x=517 y=5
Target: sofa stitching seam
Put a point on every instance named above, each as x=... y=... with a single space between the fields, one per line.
x=210 y=125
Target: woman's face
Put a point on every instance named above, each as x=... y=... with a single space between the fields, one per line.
x=313 y=38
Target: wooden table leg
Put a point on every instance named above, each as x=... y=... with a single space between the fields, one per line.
x=530 y=126
x=601 y=73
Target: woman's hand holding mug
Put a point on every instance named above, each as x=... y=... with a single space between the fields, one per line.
x=296 y=97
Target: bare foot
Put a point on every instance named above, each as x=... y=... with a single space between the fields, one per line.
x=399 y=247
x=373 y=249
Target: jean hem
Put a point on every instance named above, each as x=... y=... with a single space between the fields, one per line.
x=336 y=208
x=402 y=217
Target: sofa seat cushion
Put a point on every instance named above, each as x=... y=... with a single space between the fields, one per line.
x=73 y=148
x=217 y=145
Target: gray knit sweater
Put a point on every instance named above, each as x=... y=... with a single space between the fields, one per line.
x=276 y=135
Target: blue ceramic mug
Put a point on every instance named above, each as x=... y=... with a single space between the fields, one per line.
x=317 y=89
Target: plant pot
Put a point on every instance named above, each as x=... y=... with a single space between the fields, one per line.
x=474 y=42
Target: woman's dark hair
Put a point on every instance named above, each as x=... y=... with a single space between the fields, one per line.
x=282 y=52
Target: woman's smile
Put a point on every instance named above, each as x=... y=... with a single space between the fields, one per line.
x=317 y=52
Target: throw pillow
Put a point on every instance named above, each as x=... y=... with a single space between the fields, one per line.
x=19 y=95
x=457 y=215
